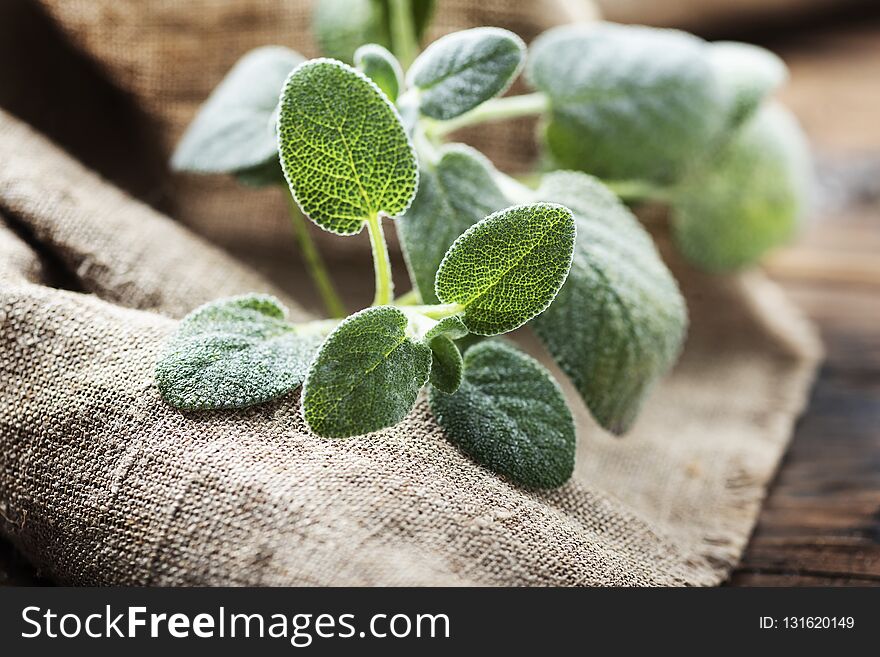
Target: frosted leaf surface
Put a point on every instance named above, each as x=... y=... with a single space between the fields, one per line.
x=510 y=416
x=508 y=268
x=454 y=194
x=464 y=69
x=366 y=376
x=343 y=148
x=626 y=102
x=619 y=321
x=381 y=67
x=234 y=353
x=235 y=128
x=446 y=364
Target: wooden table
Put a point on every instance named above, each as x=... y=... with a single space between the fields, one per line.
x=821 y=522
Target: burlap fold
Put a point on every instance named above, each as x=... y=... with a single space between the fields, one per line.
x=102 y=483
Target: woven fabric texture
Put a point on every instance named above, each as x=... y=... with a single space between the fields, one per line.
x=102 y=483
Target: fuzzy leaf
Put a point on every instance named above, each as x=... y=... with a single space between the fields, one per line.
x=234 y=130
x=451 y=327
x=446 y=364
x=367 y=375
x=509 y=415
x=747 y=75
x=508 y=268
x=341 y=26
x=618 y=322
x=381 y=67
x=234 y=353
x=627 y=102
x=454 y=194
x=750 y=199
x=464 y=69
x=343 y=149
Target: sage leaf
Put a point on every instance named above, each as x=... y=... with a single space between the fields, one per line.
x=508 y=268
x=446 y=364
x=464 y=69
x=510 y=416
x=450 y=327
x=747 y=75
x=366 y=376
x=454 y=194
x=750 y=198
x=626 y=102
x=343 y=149
x=234 y=131
x=234 y=353
x=381 y=67
x=618 y=323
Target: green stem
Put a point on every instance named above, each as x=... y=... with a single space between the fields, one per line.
x=403 y=32
x=314 y=263
x=411 y=298
x=381 y=262
x=439 y=311
x=633 y=191
x=513 y=189
x=316 y=327
x=497 y=109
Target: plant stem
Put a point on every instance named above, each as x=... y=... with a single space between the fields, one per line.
x=411 y=298
x=497 y=109
x=638 y=190
x=314 y=263
x=381 y=262
x=439 y=311
x=513 y=189
x=403 y=32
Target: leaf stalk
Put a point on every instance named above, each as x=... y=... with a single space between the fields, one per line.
x=314 y=262
x=497 y=109
x=381 y=261
x=404 y=42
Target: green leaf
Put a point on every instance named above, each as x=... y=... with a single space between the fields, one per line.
x=618 y=323
x=262 y=175
x=234 y=130
x=750 y=199
x=381 y=67
x=234 y=353
x=450 y=327
x=508 y=268
x=343 y=149
x=464 y=69
x=747 y=75
x=626 y=102
x=341 y=26
x=367 y=375
x=454 y=194
x=446 y=364
x=509 y=415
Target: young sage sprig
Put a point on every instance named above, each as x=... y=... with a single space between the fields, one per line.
x=647 y=114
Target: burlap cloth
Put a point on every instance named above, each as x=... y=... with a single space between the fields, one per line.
x=102 y=483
